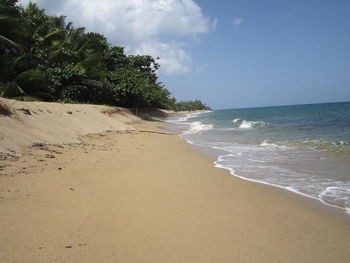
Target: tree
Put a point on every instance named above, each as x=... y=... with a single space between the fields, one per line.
x=43 y=57
x=10 y=30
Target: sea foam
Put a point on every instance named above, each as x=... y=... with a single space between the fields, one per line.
x=244 y=124
x=266 y=143
x=198 y=127
x=336 y=196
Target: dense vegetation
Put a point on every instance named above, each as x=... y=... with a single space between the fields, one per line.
x=189 y=105
x=44 y=58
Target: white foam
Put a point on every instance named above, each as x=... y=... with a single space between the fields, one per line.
x=266 y=143
x=257 y=161
x=251 y=124
x=198 y=127
x=246 y=125
x=182 y=119
x=336 y=194
x=236 y=120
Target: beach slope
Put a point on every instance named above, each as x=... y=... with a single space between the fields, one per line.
x=143 y=195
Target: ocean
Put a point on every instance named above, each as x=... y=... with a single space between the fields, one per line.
x=301 y=148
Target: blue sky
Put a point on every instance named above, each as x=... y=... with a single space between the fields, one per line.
x=282 y=52
x=231 y=53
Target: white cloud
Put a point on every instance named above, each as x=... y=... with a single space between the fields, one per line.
x=155 y=27
x=173 y=58
x=237 y=21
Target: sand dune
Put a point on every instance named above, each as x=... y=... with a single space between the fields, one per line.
x=44 y=122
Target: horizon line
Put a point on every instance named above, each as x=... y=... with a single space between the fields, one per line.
x=284 y=105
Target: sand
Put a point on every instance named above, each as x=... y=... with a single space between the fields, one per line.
x=46 y=122
x=143 y=195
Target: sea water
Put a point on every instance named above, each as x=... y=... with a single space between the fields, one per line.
x=301 y=148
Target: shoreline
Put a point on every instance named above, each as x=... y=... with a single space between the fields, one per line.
x=216 y=155
x=122 y=196
x=313 y=202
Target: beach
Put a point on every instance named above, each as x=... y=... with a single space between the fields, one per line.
x=174 y=131
x=144 y=195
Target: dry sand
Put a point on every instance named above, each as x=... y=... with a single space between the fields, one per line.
x=143 y=195
x=46 y=122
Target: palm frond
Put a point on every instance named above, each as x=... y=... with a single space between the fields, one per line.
x=54 y=34
x=9 y=42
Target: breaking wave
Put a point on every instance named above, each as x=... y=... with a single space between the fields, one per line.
x=198 y=127
x=243 y=124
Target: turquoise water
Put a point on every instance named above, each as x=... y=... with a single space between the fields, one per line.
x=301 y=148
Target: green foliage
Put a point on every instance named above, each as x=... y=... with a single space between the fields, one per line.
x=190 y=106
x=10 y=30
x=45 y=58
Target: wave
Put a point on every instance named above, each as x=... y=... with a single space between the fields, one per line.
x=334 y=196
x=198 y=127
x=180 y=119
x=243 y=124
x=266 y=143
x=337 y=197
x=236 y=120
x=320 y=145
x=323 y=145
x=331 y=146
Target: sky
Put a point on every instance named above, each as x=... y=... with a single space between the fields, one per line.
x=230 y=53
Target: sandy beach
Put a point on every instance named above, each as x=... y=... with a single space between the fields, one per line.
x=141 y=194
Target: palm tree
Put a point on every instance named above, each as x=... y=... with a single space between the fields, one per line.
x=25 y=35
x=10 y=30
